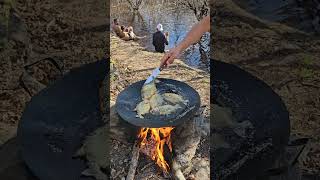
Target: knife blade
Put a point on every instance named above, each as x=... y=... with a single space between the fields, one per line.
x=156 y=72
x=153 y=76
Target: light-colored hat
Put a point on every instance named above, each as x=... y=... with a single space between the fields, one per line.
x=159 y=27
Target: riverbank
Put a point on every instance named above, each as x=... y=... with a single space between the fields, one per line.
x=286 y=59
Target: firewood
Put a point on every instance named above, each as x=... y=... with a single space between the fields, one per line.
x=134 y=161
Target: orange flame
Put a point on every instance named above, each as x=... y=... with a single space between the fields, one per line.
x=153 y=145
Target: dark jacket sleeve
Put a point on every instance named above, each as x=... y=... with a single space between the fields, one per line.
x=153 y=39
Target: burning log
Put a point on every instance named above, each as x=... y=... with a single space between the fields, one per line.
x=153 y=142
x=156 y=143
x=134 y=161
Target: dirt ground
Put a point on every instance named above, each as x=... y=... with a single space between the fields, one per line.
x=286 y=59
x=130 y=63
x=70 y=33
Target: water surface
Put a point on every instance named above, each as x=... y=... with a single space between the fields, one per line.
x=289 y=12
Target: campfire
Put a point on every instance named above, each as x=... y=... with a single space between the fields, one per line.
x=152 y=142
x=154 y=133
x=155 y=143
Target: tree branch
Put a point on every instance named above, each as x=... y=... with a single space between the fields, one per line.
x=134 y=161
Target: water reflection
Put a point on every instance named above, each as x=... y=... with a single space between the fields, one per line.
x=175 y=20
x=289 y=12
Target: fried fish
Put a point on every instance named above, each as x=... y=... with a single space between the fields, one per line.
x=153 y=102
x=142 y=108
x=167 y=109
x=173 y=98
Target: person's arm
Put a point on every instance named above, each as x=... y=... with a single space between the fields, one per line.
x=193 y=36
x=196 y=33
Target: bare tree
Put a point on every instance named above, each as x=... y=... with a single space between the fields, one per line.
x=200 y=8
x=135 y=4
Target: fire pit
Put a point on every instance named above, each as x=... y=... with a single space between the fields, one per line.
x=56 y=121
x=252 y=101
x=154 y=132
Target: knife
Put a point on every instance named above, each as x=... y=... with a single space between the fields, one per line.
x=153 y=76
x=155 y=73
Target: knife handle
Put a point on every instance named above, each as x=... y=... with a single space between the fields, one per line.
x=163 y=65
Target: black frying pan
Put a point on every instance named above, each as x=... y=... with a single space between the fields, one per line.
x=56 y=121
x=250 y=99
x=128 y=99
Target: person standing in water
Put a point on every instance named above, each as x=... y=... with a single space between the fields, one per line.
x=193 y=36
x=159 y=40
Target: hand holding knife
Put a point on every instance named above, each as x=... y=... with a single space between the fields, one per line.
x=168 y=58
x=156 y=72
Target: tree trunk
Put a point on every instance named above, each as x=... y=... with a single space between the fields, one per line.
x=134 y=6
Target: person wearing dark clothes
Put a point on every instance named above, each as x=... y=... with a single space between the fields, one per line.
x=159 y=40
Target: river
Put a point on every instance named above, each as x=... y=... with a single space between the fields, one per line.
x=298 y=14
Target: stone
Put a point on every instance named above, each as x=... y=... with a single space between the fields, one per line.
x=202 y=167
x=202 y=174
x=185 y=140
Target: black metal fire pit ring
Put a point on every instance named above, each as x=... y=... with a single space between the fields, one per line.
x=249 y=99
x=128 y=99
x=56 y=121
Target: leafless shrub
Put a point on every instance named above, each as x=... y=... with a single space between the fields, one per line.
x=200 y=8
x=135 y=4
